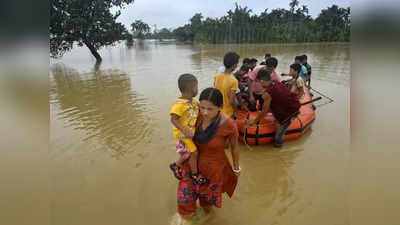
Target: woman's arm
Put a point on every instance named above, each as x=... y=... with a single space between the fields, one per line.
x=193 y=162
x=235 y=153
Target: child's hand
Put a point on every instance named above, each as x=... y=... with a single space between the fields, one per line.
x=201 y=179
x=188 y=133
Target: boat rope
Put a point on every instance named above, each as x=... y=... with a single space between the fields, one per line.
x=318 y=92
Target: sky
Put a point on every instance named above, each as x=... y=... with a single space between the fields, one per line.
x=175 y=13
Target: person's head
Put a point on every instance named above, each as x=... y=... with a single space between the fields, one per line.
x=304 y=59
x=187 y=84
x=264 y=77
x=297 y=59
x=267 y=56
x=243 y=70
x=231 y=59
x=295 y=69
x=246 y=62
x=211 y=101
x=253 y=63
x=272 y=63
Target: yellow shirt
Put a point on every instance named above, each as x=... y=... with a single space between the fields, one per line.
x=295 y=87
x=226 y=84
x=187 y=112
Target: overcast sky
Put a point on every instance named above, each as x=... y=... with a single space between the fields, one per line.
x=175 y=13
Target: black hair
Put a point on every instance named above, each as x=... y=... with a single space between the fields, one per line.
x=304 y=57
x=297 y=58
x=244 y=68
x=296 y=67
x=267 y=55
x=213 y=95
x=272 y=62
x=230 y=59
x=253 y=60
x=185 y=80
x=246 y=61
x=264 y=75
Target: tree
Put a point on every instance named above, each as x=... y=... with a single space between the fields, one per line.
x=140 y=29
x=85 y=22
x=293 y=4
x=334 y=24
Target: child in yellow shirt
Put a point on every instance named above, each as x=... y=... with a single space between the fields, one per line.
x=183 y=116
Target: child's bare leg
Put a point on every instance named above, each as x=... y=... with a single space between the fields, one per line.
x=180 y=160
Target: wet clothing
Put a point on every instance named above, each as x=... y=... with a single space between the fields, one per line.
x=214 y=165
x=284 y=103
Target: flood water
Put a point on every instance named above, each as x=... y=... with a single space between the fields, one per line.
x=111 y=139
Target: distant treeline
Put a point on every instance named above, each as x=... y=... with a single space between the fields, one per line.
x=276 y=26
x=93 y=24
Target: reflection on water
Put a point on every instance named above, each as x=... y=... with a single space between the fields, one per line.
x=102 y=104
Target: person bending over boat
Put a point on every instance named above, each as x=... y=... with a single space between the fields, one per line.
x=278 y=99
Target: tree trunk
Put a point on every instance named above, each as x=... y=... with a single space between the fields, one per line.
x=93 y=51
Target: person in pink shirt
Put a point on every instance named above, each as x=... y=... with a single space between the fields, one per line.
x=255 y=89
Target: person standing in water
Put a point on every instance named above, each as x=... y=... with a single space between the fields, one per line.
x=208 y=173
x=228 y=84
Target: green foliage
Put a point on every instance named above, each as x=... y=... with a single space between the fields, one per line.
x=276 y=26
x=85 y=22
x=140 y=29
x=334 y=24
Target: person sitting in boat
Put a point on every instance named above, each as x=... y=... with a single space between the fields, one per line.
x=242 y=94
x=296 y=84
x=227 y=84
x=266 y=57
x=253 y=63
x=246 y=62
x=278 y=99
